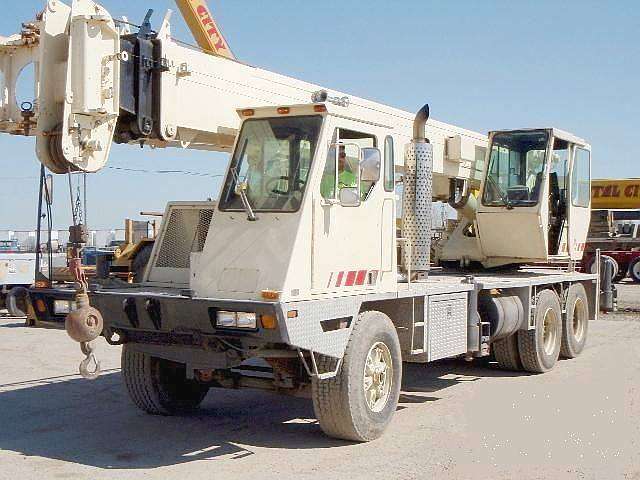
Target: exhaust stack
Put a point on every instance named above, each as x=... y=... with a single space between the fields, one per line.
x=417 y=198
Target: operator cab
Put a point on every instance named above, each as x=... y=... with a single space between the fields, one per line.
x=296 y=208
x=536 y=193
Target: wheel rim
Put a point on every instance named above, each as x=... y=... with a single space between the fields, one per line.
x=550 y=331
x=378 y=376
x=579 y=320
x=635 y=270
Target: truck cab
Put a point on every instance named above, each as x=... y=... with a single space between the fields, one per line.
x=307 y=209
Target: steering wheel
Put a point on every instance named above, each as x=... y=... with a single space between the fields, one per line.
x=271 y=184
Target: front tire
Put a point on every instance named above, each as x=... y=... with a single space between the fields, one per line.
x=359 y=402
x=576 y=322
x=158 y=386
x=540 y=348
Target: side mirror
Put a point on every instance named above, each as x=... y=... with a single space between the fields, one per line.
x=370 y=165
x=48 y=189
x=349 y=197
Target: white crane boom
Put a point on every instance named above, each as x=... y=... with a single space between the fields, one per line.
x=97 y=83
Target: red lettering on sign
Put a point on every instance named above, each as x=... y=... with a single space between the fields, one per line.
x=212 y=31
x=611 y=191
x=632 y=191
x=628 y=191
x=202 y=11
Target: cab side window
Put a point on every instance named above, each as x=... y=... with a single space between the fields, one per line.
x=344 y=157
x=581 y=178
x=389 y=165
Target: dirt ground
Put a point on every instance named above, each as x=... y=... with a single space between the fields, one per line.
x=455 y=420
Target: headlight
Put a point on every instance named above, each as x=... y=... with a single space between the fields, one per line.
x=236 y=320
x=227 y=319
x=246 y=320
x=62 y=306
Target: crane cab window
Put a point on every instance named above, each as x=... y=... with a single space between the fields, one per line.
x=516 y=169
x=347 y=163
x=581 y=178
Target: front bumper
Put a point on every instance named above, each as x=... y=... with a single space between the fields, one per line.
x=167 y=317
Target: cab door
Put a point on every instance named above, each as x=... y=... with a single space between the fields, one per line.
x=347 y=244
x=579 y=201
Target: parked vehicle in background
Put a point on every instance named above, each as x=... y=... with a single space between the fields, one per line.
x=9 y=246
x=17 y=273
x=617 y=234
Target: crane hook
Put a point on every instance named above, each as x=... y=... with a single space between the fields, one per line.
x=87 y=349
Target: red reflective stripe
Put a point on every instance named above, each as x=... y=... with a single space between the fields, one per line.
x=339 y=281
x=351 y=277
x=362 y=274
x=330 y=280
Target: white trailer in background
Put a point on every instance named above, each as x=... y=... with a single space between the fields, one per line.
x=17 y=272
x=304 y=262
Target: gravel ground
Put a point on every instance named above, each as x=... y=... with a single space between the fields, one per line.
x=455 y=420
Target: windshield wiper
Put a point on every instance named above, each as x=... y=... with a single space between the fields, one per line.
x=503 y=196
x=241 y=187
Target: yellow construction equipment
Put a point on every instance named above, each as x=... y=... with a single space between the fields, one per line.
x=615 y=194
x=204 y=28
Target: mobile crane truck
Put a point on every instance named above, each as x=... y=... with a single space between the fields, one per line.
x=301 y=263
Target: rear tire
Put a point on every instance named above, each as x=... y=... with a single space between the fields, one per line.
x=159 y=386
x=17 y=301
x=634 y=270
x=506 y=353
x=540 y=348
x=576 y=322
x=359 y=402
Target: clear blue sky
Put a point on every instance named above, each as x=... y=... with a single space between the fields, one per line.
x=482 y=65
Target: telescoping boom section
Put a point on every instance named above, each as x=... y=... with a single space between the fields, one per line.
x=318 y=257
x=97 y=82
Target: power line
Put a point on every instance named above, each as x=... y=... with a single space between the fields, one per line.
x=138 y=170
x=178 y=172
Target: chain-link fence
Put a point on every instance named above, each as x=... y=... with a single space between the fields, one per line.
x=26 y=239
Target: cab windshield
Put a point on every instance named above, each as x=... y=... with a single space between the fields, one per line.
x=516 y=169
x=272 y=161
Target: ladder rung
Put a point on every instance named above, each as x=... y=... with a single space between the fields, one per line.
x=417 y=351
x=418 y=324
